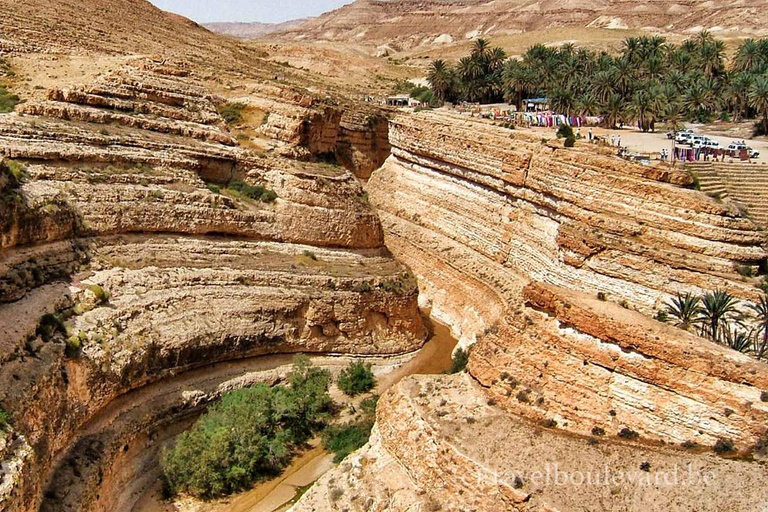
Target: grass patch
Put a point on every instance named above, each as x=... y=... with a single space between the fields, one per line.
x=345 y=439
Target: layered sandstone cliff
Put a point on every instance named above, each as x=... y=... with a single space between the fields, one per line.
x=512 y=239
x=125 y=263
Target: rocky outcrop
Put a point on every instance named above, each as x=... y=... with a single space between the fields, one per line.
x=126 y=263
x=515 y=242
x=440 y=444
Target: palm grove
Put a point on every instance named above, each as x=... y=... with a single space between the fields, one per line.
x=650 y=81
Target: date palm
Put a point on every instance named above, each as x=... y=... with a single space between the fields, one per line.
x=758 y=98
x=439 y=78
x=685 y=309
x=719 y=308
x=761 y=318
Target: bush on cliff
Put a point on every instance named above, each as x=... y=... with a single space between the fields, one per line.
x=255 y=192
x=250 y=434
x=356 y=378
x=8 y=101
x=5 y=420
x=231 y=112
x=345 y=439
x=460 y=360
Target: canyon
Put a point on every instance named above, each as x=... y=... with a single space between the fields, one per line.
x=141 y=278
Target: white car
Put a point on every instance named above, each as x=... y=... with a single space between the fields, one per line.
x=697 y=141
x=684 y=138
x=712 y=144
x=736 y=147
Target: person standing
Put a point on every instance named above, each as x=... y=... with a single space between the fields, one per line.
x=590 y=135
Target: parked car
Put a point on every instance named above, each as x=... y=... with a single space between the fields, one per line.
x=735 y=148
x=674 y=135
x=684 y=138
x=697 y=141
x=712 y=144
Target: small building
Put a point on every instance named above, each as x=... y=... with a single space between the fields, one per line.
x=403 y=100
x=536 y=104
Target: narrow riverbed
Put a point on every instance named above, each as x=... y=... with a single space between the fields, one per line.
x=308 y=466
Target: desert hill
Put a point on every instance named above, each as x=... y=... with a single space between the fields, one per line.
x=407 y=24
x=252 y=30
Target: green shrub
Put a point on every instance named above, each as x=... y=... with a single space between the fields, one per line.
x=628 y=433
x=8 y=100
x=598 y=431
x=255 y=192
x=309 y=254
x=459 y=361
x=49 y=325
x=213 y=188
x=250 y=434
x=74 y=345
x=17 y=169
x=723 y=446
x=565 y=132
x=602 y=296
x=690 y=445
x=662 y=316
x=356 y=378
x=5 y=419
x=345 y=439
x=746 y=270
x=570 y=142
x=231 y=112
x=102 y=296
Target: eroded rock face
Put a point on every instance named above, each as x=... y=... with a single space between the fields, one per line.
x=439 y=444
x=512 y=240
x=122 y=267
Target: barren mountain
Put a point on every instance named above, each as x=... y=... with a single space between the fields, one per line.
x=252 y=30
x=405 y=24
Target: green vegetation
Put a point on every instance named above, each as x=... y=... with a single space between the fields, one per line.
x=718 y=317
x=252 y=433
x=8 y=100
x=651 y=80
x=345 y=439
x=213 y=188
x=5 y=420
x=628 y=433
x=423 y=94
x=356 y=378
x=102 y=296
x=74 y=345
x=254 y=192
x=459 y=361
x=309 y=254
x=231 y=112
x=50 y=324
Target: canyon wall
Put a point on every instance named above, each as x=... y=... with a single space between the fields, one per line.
x=549 y=262
x=126 y=262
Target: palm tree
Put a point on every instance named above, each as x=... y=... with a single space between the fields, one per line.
x=439 y=78
x=761 y=317
x=749 y=57
x=718 y=309
x=589 y=105
x=738 y=340
x=758 y=98
x=673 y=116
x=603 y=85
x=686 y=309
x=738 y=91
x=516 y=80
x=481 y=47
x=562 y=101
x=613 y=111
